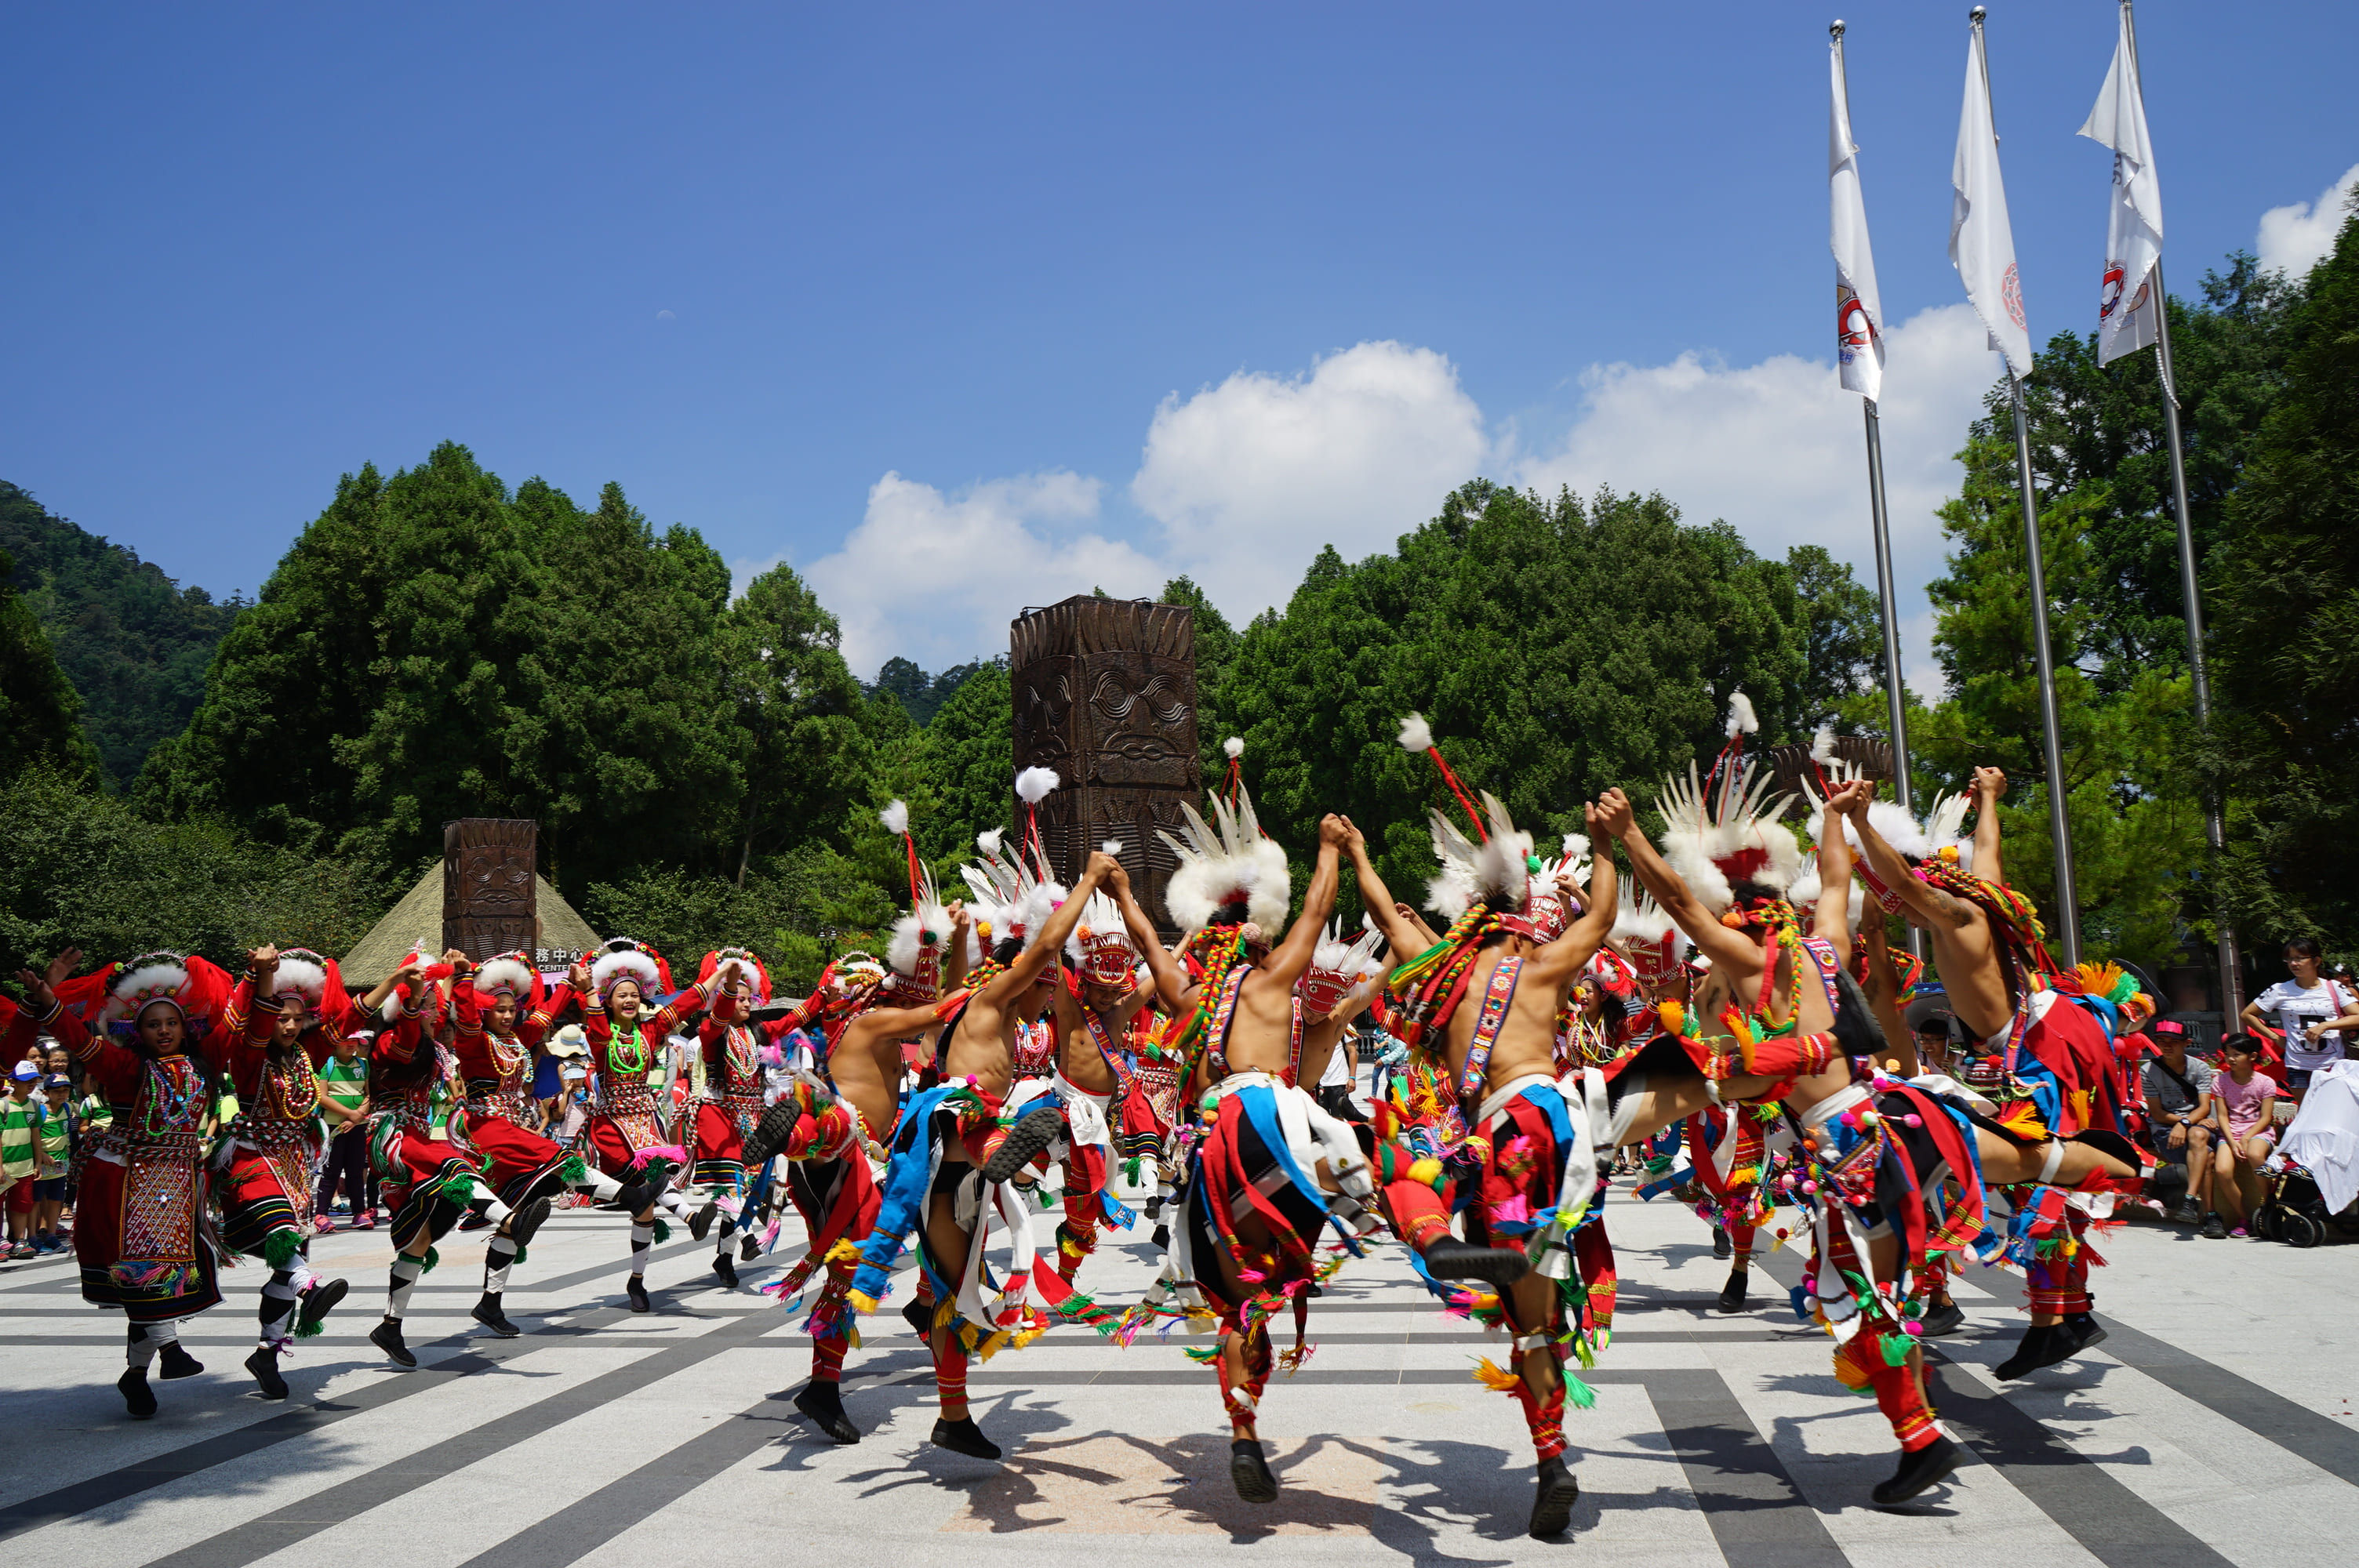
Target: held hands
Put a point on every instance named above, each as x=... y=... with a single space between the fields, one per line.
x=1611 y=818
x=1333 y=832
x=1100 y=868
x=578 y=977
x=1852 y=799
x=1354 y=839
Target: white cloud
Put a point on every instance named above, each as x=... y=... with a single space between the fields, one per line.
x=936 y=578
x=1777 y=449
x=2296 y=237
x=1250 y=478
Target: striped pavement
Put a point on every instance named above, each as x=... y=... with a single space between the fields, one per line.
x=2214 y=1426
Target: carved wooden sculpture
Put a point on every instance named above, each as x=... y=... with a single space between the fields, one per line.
x=488 y=899
x=1105 y=694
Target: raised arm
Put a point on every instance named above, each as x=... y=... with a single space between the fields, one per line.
x=953 y=975
x=1945 y=909
x=1406 y=936
x=1291 y=957
x=1166 y=979
x=1561 y=959
x=1989 y=784
x=1615 y=818
x=1044 y=948
x=1831 y=919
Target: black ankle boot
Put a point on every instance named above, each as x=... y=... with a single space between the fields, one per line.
x=1025 y=1141
x=2044 y=1345
x=386 y=1336
x=963 y=1437
x=1941 y=1318
x=749 y=1247
x=823 y=1402
x=1451 y=1259
x=726 y=1268
x=526 y=1221
x=1552 y=1510
x=264 y=1365
x=175 y=1362
x=2083 y=1329
x=1249 y=1471
x=1925 y=1468
x=637 y=1289
x=1732 y=1295
x=1721 y=1246
x=487 y=1313
x=702 y=1220
x=138 y=1398
x=319 y=1300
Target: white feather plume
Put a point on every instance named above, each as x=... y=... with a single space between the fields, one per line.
x=299 y=975
x=1111 y=847
x=988 y=840
x=1822 y=744
x=1224 y=860
x=1416 y=734
x=896 y=818
x=504 y=974
x=1235 y=746
x=1741 y=717
x=1034 y=785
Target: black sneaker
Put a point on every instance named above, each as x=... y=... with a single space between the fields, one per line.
x=702 y=1220
x=525 y=1222
x=177 y=1363
x=2214 y=1228
x=386 y=1336
x=1942 y=1317
x=725 y=1268
x=1025 y=1141
x=319 y=1300
x=487 y=1313
x=823 y=1402
x=638 y=1290
x=2044 y=1345
x=1927 y=1467
x=1451 y=1259
x=264 y=1365
x=1722 y=1247
x=1552 y=1510
x=1249 y=1471
x=963 y=1437
x=138 y=1398
x=2187 y=1213
x=749 y=1247
x=1732 y=1295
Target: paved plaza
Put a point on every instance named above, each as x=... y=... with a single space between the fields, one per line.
x=2216 y=1425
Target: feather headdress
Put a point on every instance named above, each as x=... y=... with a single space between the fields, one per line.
x=1650 y=937
x=1101 y=941
x=1339 y=968
x=1718 y=834
x=1012 y=897
x=511 y=975
x=1229 y=861
x=756 y=975
x=1501 y=869
x=196 y=988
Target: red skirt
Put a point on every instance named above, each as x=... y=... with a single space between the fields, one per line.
x=627 y=1147
x=524 y=1165
x=147 y=1293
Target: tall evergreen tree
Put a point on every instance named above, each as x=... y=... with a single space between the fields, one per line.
x=2285 y=620
x=41 y=715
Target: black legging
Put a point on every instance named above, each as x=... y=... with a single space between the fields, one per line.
x=348 y=1162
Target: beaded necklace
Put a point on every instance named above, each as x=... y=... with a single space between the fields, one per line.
x=180 y=1103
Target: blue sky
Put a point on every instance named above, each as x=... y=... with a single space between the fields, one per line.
x=959 y=308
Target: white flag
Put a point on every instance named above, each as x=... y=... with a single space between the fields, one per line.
x=2127 y=301
x=1981 y=244
x=1859 y=312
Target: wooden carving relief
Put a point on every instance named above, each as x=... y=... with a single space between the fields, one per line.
x=488 y=897
x=1105 y=694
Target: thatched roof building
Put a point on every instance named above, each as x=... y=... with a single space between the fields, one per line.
x=416 y=922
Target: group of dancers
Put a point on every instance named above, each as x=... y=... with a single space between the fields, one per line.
x=1735 y=1000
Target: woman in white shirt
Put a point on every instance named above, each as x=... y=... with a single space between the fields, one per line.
x=2312 y=1009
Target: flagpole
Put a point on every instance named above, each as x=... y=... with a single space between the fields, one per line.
x=2190 y=590
x=1893 y=692
x=2066 y=910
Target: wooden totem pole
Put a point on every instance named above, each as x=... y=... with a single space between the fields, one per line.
x=489 y=901
x=1105 y=694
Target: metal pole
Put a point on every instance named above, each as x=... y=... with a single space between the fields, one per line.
x=2065 y=914
x=1893 y=696
x=2191 y=596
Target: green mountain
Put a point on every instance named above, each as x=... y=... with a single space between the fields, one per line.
x=135 y=642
